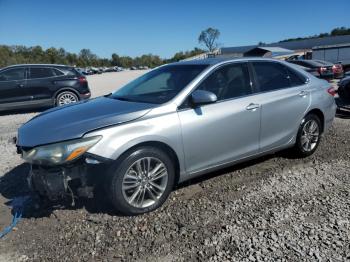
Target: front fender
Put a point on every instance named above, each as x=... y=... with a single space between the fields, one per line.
x=118 y=139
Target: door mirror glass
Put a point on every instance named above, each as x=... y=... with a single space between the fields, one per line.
x=202 y=97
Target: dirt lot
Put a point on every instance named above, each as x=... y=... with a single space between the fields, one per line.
x=271 y=209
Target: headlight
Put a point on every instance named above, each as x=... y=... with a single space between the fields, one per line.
x=60 y=153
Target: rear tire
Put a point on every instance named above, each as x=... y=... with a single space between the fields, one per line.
x=66 y=97
x=309 y=136
x=140 y=181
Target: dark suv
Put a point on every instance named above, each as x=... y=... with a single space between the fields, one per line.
x=29 y=86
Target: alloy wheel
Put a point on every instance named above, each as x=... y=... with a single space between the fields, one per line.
x=67 y=98
x=145 y=182
x=310 y=135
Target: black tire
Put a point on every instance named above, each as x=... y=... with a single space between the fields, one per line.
x=66 y=93
x=298 y=149
x=119 y=169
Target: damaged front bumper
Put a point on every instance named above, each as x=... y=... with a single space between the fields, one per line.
x=77 y=179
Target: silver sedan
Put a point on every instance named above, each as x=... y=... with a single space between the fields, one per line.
x=175 y=122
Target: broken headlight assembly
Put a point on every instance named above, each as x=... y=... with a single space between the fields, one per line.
x=59 y=153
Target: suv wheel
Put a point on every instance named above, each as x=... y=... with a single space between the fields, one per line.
x=309 y=136
x=141 y=181
x=65 y=98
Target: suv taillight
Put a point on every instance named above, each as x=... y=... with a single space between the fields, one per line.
x=337 y=68
x=332 y=91
x=322 y=69
x=82 y=79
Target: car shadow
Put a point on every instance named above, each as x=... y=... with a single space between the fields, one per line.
x=13 y=185
x=23 y=111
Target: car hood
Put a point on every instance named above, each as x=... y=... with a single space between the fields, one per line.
x=73 y=121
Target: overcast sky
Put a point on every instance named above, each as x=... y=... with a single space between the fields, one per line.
x=162 y=27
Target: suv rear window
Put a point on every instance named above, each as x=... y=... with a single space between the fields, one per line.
x=57 y=72
x=271 y=76
x=40 y=72
x=70 y=71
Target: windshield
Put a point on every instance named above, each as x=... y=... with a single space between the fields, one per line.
x=159 y=85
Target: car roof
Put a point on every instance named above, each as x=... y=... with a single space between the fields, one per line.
x=35 y=65
x=214 y=61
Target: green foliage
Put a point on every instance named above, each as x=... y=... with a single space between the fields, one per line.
x=209 y=37
x=183 y=55
x=10 y=55
x=335 y=32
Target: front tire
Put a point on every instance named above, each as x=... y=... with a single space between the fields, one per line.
x=140 y=181
x=309 y=136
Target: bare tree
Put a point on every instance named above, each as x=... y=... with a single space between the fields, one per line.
x=209 y=38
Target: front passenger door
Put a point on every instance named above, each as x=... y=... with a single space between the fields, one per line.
x=224 y=131
x=12 y=85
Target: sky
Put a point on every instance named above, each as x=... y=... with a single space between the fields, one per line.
x=162 y=27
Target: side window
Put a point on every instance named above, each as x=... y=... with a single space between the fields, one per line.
x=295 y=78
x=40 y=72
x=57 y=72
x=12 y=74
x=271 y=76
x=229 y=81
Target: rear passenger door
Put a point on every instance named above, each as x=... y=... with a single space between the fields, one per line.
x=41 y=83
x=284 y=99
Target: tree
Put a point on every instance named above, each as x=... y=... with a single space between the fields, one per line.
x=209 y=38
x=183 y=55
x=115 y=60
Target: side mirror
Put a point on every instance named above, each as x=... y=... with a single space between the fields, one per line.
x=202 y=97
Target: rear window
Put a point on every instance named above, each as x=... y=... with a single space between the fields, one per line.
x=295 y=78
x=40 y=72
x=69 y=71
x=57 y=72
x=271 y=76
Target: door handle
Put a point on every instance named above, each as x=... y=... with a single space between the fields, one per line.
x=252 y=107
x=303 y=94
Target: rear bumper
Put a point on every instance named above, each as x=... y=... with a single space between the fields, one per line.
x=85 y=96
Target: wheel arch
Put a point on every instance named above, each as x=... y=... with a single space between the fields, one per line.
x=162 y=146
x=318 y=112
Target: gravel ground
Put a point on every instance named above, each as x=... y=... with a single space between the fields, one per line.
x=270 y=209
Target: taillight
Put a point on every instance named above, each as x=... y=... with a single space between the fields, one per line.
x=332 y=91
x=322 y=69
x=337 y=68
x=82 y=79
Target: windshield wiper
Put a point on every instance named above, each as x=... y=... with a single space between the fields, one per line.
x=123 y=98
